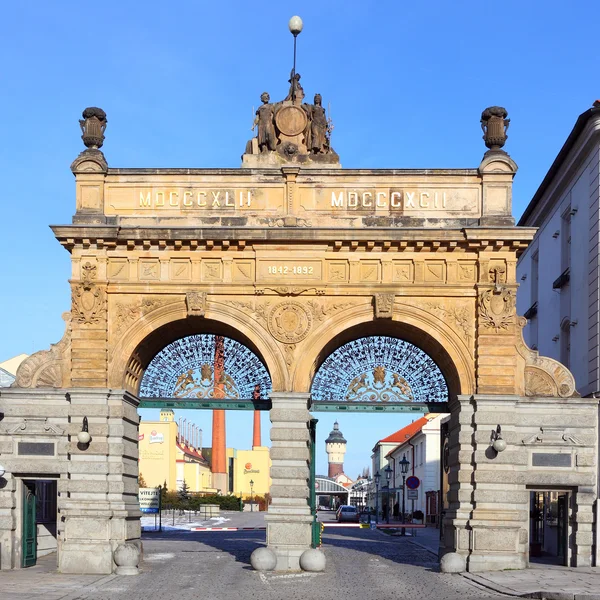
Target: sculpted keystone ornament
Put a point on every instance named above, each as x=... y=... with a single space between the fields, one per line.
x=289 y=322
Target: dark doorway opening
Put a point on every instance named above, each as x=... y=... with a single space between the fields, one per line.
x=39 y=519
x=548 y=527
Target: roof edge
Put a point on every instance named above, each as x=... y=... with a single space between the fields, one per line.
x=570 y=142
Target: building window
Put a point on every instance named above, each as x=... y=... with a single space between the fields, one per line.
x=565 y=342
x=533 y=321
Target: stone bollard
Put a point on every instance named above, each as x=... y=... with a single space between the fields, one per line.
x=263 y=559
x=127 y=558
x=452 y=562
x=312 y=560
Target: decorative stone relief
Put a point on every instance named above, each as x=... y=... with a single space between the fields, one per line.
x=384 y=306
x=552 y=436
x=459 y=314
x=544 y=377
x=497 y=308
x=33 y=426
x=290 y=349
x=47 y=368
x=127 y=314
x=88 y=299
x=321 y=310
x=196 y=303
x=497 y=273
x=289 y=290
x=289 y=222
x=289 y=322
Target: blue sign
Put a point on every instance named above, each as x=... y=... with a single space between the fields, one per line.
x=412 y=482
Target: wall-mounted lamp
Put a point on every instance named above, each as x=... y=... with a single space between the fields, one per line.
x=498 y=443
x=83 y=437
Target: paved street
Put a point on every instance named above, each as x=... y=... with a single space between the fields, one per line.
x=362 y=565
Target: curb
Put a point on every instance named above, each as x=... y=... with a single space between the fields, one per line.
x=538 y=594
x=228 y=529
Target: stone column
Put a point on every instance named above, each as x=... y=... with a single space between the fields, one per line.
x=98 y=500
x=289 y=518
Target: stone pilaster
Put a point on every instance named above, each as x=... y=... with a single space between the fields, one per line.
x=98 y=499
x=289 y=518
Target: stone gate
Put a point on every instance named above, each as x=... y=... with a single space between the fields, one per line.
x=293 y=256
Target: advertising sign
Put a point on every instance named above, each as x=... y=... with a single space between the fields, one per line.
x=149 y=499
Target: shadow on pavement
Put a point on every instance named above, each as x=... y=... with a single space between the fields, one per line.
x=377 y=544
x=239 y=544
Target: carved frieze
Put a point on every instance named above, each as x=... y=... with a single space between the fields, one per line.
x=384 y=306
x=497 y=308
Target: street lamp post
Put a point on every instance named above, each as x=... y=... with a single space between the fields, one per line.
x=377 y=477
x=295 y=24
x=251 y=496
x=388 y=474
x=404 y=463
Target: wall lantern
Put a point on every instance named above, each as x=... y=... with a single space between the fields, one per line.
x=498 y=443
x=83 y=437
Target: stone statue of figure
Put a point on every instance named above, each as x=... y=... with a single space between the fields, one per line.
x=318 y=127
x=266 y=127
x=295 y=86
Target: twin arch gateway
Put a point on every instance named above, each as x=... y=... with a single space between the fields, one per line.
x=299 y=262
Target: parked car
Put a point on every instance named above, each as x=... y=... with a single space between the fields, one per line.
x=347 y=513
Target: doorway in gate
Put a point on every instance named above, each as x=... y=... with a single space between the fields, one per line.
x=548 y=527
x=39 y=519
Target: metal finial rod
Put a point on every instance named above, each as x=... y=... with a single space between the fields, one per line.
x=295 y=25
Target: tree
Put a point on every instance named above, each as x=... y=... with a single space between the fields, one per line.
x=141 y=481
x=184 y=492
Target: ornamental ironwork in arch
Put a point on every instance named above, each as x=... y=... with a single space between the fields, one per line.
x=186 y=369
x=379 y=369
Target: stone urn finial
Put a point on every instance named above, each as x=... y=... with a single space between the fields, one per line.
x=93 y=126
x=494 y=125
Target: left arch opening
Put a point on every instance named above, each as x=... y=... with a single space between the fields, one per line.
x=205 y=366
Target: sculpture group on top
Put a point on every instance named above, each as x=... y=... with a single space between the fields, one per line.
x=290 y=131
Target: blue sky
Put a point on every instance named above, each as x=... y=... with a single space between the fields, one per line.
x=406 y=81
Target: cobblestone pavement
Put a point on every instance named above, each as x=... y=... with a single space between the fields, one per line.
x=361 y=564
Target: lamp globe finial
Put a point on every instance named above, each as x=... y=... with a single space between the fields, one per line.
x=295 y=24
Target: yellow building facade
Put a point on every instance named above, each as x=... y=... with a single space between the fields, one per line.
x=166 y=456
